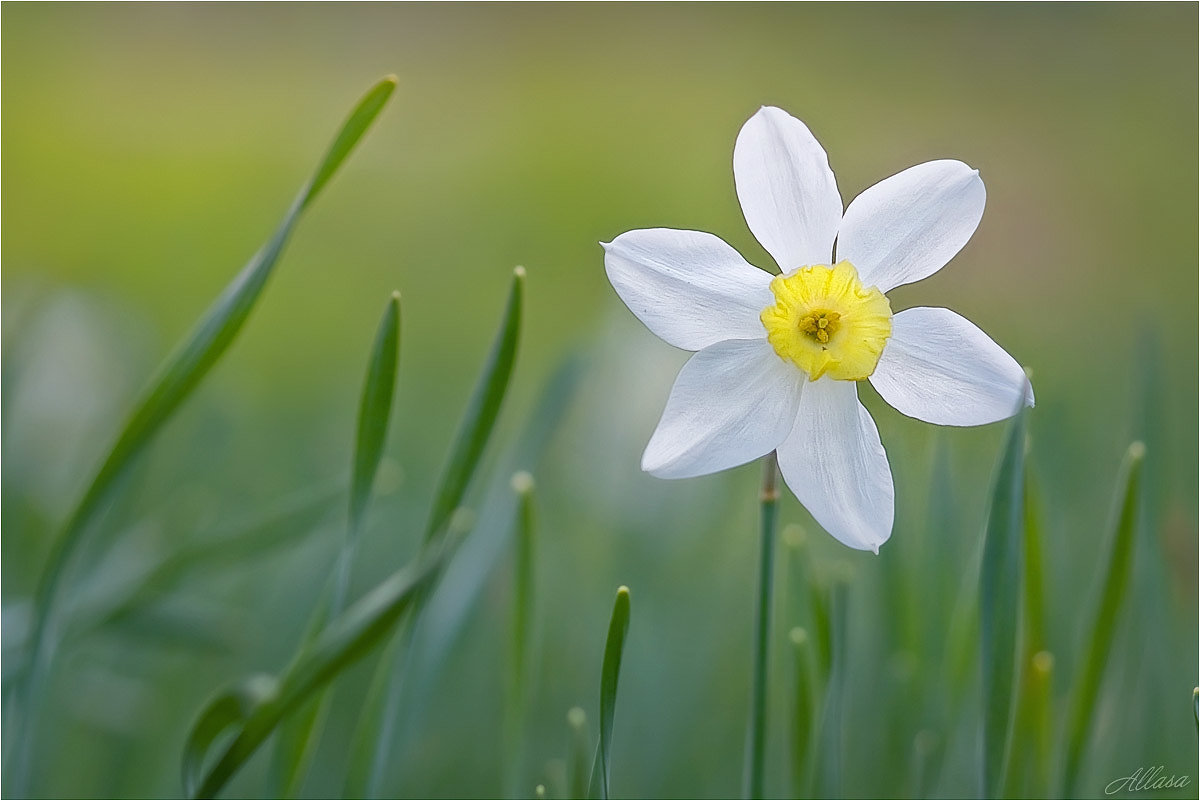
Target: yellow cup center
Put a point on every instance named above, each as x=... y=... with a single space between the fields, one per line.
x=827 y=323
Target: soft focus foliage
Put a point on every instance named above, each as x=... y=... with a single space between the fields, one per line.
x=149 y=149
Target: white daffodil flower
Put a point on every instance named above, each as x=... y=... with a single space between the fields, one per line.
x=778 y=358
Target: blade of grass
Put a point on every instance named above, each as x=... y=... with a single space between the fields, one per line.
x=1097 y=648
x=176 y=379
x=577 y=757
x=346 y=640
x=829 y=755
x=229 y=708
x=522 y=615
x=1030 y=760
x=481 y=413
x=756 y=732
x=444 y=617
x=1000 y=607
x=802 y=711
x=298 y=739
x=374 y=414
x=614 y=648
x=378 y=724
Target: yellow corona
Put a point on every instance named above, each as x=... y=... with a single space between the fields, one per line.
x=827 y=323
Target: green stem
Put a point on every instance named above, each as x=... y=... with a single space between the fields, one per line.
x=757 y=735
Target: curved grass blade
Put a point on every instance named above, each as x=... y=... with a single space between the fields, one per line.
x=377 y=727
x=1000 y=590
x=1100 y=633
x=346 y=640
x=480 y=416
x=614 y=647
x=176 y=379
x=298 y=738
x=232 y=707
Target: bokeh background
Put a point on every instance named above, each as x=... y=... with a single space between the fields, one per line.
x=149 y=149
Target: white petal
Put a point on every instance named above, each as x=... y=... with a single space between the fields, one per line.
x=788 y=193
x=908 y=227
x=688 y=287
x=732 y=402
x=940 y=368
x=834 y=463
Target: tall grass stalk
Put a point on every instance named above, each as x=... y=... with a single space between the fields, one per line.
x=520 y=645
x=756 y=736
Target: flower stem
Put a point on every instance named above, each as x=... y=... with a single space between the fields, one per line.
x=757 y=735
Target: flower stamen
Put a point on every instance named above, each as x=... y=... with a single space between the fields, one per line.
x=820 y=325
x=827 y=323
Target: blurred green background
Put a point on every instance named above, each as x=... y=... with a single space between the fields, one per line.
x=149 y=150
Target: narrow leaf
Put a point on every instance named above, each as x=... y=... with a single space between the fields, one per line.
x=519 y=648
x=802 y=711
x=1028 y=775
x=230 y=708
x=831 y=728
x=482 y=411
x=1099 y=634
x=1000 y=590
x=444 y=617
x=610 y=672
x=176 y=378
x=374 y=411
x=299 y=736
x=346 y=640
x=577 y=756
x=377 y=726
x=351 y=132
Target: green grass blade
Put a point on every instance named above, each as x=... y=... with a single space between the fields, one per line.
x=1099 y=635
x=377 y=727
x=1000 y=590
x=481 y=413
x=1029 y=773
x=522 y=621
x=348 y=136
x=523 y=601
x=830 y=753
x=577 y=755
x=346 y=640
x=371 y=730
x=296 y=746
x=374 y=411
x=802 y=711
x=176 y=379
x=299 y=736
x=444 y=618
x=614 y=647
x=230 y=708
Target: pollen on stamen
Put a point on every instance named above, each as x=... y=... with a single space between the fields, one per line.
x=827 y=323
